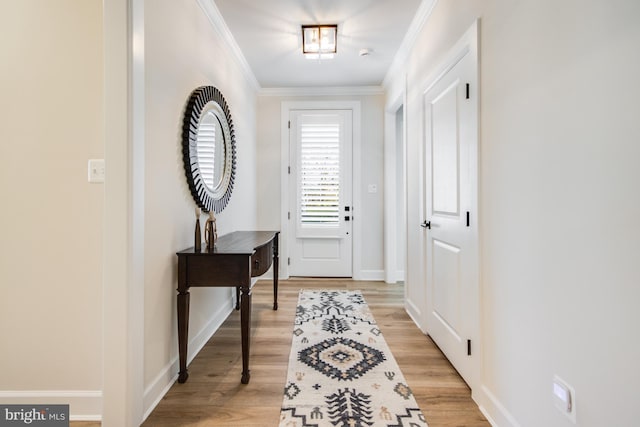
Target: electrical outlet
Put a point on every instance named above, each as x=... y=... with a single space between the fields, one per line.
x=564 y=398
x=96 y=170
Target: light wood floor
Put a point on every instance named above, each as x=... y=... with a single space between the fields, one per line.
x=213 y=395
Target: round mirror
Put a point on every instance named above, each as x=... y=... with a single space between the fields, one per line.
x=208 y=145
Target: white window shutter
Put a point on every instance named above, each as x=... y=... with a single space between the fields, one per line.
x=320 y=174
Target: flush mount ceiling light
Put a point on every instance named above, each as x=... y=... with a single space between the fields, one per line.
x=319 y=41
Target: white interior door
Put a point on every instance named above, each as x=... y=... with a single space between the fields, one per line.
x=450 y=226
x=320 y=178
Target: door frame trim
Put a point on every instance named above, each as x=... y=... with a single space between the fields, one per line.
x=391 y=273
x=123 y=231
x=285 y=110
x=468 y=44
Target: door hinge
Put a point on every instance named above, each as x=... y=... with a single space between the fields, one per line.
x=289 y=124
x=468 y=220
x=288 y=261
x=467 y=91
x=289 y=170
x=288 y=215
x=468 y=347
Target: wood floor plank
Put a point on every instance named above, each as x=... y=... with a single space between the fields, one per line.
x=213 y=395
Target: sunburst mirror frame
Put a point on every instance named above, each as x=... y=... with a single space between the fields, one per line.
x=205 y=100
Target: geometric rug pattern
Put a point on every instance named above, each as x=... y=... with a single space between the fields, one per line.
x=341 y=372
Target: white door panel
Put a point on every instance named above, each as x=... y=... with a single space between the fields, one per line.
x=446 y=284
x=450 y=187
x=444 y=128
x=320 y=156
x=320 y=248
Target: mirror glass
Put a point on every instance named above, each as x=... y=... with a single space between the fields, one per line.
x=208 y=148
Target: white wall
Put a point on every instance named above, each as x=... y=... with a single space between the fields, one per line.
x=52 y=116
x=51 y=246
x=558 y=201
x=270 y=169
x=183 y=51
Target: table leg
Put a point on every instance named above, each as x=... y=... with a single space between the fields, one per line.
x=275 y=272
x=245 y=326
x=237 y=297
x=183 y=333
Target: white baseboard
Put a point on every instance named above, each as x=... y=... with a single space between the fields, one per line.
x=493 y=410
x=373 y=275
x=167 y=377
x=159 y=387
x=487 y=416
x=400 y=275
x=84 y=405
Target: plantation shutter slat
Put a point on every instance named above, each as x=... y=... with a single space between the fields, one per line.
x=320 y=174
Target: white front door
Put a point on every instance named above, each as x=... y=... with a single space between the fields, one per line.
x=450 y=223
x=320 y=193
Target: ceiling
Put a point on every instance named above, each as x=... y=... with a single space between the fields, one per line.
x=268 y=32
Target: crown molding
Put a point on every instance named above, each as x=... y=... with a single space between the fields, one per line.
x=217 y=22
x=322 y=91
x=398 y=63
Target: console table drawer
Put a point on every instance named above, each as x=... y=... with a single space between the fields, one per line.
x=261 y=259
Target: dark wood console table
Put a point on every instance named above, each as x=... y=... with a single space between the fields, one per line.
x=237 y=258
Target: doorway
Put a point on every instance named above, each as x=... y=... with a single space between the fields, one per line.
x=289 y=199
x=400 y=198
x=450 y=210
x=395 y=190
x=320 y=193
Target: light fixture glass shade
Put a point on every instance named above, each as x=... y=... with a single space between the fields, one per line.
x=319 y=39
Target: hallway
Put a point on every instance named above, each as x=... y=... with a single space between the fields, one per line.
x=213 y=395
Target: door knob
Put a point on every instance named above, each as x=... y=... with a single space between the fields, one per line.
x=426 y=224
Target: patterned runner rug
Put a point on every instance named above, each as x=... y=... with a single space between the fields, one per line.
x=341 y=372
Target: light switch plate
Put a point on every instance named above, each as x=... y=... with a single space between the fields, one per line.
x=96 y=170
